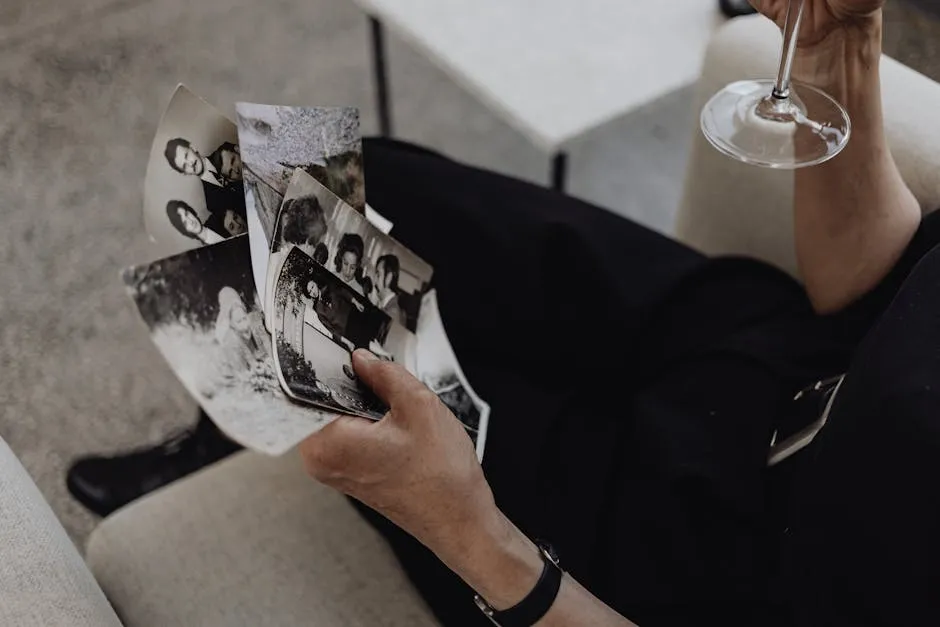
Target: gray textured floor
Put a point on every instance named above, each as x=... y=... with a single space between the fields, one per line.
x=81 y=91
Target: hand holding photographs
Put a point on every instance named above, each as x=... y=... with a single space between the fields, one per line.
x=329 y=280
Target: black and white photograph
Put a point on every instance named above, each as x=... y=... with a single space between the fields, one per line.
x=308 y=220
x=193 y=191
x=323 y=141
x=438 y=368
x=318 y=322
x=373 y=264
x=203 y=314
x=260 y=252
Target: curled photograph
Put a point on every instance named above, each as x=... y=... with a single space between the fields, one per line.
x=203 y=315
x=318 y=322
x=344 y=241
x=438 y=368
x=193 y=188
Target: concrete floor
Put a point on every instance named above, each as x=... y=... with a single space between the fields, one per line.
x=81 y=91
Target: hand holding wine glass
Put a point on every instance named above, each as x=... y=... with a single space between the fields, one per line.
x=822 y=17
x=779 y=124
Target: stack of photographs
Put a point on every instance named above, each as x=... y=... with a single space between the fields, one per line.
x=275 y=269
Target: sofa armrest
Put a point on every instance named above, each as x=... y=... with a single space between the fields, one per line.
x=731 y=208
x=250 y=541
x=43 y=580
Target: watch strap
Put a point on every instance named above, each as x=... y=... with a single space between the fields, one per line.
x=536 y=605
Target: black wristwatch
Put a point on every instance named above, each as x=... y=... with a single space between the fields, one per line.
x=535 y=606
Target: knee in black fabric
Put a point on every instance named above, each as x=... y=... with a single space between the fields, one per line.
x=387 y=143
x=864 y=542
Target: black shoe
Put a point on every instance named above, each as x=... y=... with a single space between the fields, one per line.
x=105 y=484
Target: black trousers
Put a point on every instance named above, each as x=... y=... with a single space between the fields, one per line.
x=634 y=385
x=862 y=546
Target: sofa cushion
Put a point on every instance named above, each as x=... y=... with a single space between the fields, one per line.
x=43 y=580
x=250 y=541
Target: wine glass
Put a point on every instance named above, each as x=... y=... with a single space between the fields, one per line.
x=777 y=124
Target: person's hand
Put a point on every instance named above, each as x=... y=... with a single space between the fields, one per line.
x=417 y=466
x=821 y=18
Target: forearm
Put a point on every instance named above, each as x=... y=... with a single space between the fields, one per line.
x=853 y=215
x=503 y=565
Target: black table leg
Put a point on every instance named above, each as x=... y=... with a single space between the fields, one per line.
x=381 y=77
x=559 y=171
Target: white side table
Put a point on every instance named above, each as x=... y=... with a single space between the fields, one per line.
x=553 y=69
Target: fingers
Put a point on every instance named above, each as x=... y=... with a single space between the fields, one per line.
x=759 y=5
x=343 y=444
x=390 y=381
x=774 y=9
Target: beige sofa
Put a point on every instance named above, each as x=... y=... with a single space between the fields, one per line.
x=252 y=541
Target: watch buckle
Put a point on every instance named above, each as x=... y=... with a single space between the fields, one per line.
x=485 y=607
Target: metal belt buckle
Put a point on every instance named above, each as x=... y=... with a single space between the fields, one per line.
x=779 y=451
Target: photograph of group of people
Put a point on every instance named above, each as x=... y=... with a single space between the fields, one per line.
x=337 y=283
x=318 y=321
x=371 y=263
x=193 y=191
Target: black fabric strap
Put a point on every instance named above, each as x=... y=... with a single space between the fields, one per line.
x=535 y=606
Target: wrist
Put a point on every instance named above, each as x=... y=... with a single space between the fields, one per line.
x=846 y=61
x=497 y=561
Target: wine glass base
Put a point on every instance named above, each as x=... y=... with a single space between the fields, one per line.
x=747 y=123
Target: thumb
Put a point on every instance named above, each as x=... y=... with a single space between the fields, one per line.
x=390 y=381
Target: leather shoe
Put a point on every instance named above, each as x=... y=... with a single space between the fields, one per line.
x=105 y=484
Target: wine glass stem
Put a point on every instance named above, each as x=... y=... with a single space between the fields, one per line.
x=791 y=34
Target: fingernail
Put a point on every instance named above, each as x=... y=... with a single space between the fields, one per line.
x=366 y=355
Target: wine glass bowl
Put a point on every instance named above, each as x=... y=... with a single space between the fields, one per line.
x=777 y=123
